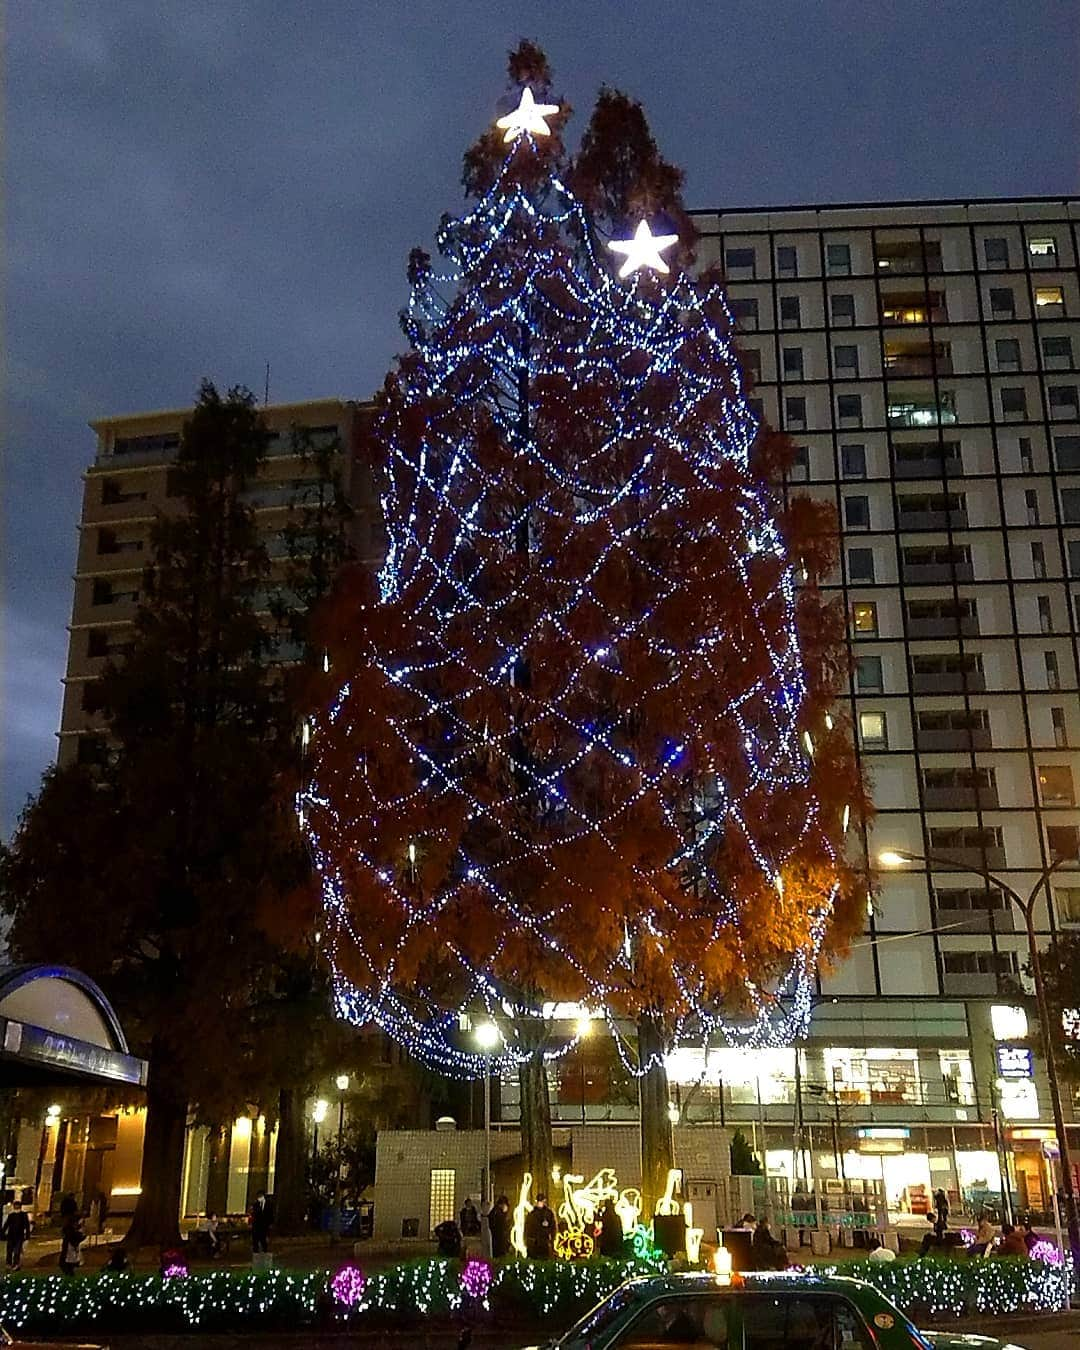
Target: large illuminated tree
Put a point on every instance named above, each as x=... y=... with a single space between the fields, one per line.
x=571 y=746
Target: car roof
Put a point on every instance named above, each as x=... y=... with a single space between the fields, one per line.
x=685 y=1281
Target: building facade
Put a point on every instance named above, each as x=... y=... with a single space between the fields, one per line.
x=923 y=357
x=130 y=482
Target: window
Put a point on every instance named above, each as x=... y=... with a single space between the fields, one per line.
x=842 y=309
x=1067 y=899
x=979 y=963
x=790 y=311
x=857 y=513
x=803 y=1322
x=787 y=260
x=793 y=363
x=1045 y=248
x=864 y=618
x=745 y=313
x=106 y=541
x=800 y=463
x=1013 y=401
x=948 y=838
x=1062 y=841
x=1002 y=304
x=97 y=642
x=1073 y=548
x=1007 y=353
x=868 y=676
x=750 y=360
x=1031 y=505
x=442 y=1197
x=1063 y=401
x=996 y=252
x=838 y=260
x=679 y=1321
x=1057 y=722
x=795 y=413
x=740 y=260
x=872 y=731
x=1056 y=785
x=1053 y=675
x=1024 y=443
x=849 y=410
x=1067 y=452
x=1049 y=297
x=1070 y=506
x=853 y=461
x=860 y=564
x=1046 y=614
x=1038 y=561
x=102 y=593
x=846 y=362
x=757 y=409
x=1057 y=353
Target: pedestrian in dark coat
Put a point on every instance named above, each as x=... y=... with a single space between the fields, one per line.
x=448 y=1236
x=262 y=1218
x=469 y=1219
x=500 y=1223
x=16 y=1230
x=612 y=1236
x=71 y=1237
x=540 y=1231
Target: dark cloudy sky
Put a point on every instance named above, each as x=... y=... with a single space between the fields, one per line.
x=196 y=187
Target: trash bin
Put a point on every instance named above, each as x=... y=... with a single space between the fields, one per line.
x=819 y=1243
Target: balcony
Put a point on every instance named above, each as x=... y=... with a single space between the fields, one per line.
x=903 y=309
x=973 y=985
x=920 y=413
x=947 y=681
x=926 y=459
x=915 y=360
x=936 y=573
x=961 y=797
x=943 y=625
x=953 y=738
x=975 y=920
x=932 y=513
x=907 y=257
x=969 y=858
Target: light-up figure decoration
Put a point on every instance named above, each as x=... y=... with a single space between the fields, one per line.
x=522 y=1210
x=582 y=1206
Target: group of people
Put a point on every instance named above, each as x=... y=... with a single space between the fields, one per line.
x=493 y=1225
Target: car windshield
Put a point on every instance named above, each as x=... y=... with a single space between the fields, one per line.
x=603 y=1314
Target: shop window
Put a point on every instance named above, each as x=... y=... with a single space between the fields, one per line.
x=957 y=1077
x=884 y=1076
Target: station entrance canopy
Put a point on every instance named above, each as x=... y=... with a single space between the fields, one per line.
x=56 y=1026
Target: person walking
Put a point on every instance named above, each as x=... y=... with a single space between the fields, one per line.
x=262 y=1218
x=612 y=1236
x=540 y=1231
x=16 y=1230
x=499 y=1222
x=71 y=1238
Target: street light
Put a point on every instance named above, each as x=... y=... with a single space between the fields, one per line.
x=896 y=858
x=487 y=1038
x=318 y=1115
x=341 y=1082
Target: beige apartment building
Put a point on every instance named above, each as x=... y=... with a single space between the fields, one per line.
x=130 y=481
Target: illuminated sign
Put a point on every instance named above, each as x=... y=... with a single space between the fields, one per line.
x=877 y=1132
x=1015 y=1061
x=1009 y=1023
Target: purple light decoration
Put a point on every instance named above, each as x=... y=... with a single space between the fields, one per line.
x=176 y=1271
x=476 y=1278
x=968 y=1236
x=1044 y=1250
x=347 y=1286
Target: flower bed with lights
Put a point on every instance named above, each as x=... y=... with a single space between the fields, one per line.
x=936 y=1287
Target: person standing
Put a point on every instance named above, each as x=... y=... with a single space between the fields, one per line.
x=469 y=1219
x=941 y=1213
x=540 y=1231
x=612 y=1236
x=499 y=1222
x=262 y=1217
x=71 y=1238
x=16 y=1230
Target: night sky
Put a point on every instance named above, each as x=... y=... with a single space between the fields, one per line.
x=197 y=187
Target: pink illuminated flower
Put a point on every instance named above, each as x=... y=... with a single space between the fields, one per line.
x=476 y=1278
x=348 y=1285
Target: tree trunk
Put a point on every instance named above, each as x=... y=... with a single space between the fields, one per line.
x=217 y=1170
x=657 y=1151
x=156 y=1221
x=537 y=1151
x=290 y=1163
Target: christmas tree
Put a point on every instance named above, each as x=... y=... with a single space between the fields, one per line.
x=577 y=746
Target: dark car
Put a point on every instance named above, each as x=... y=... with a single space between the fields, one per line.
x=754 y=1312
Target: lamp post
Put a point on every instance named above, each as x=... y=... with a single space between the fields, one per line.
x=318 y=1115
x=487 y=1038
x=341 y=1082
x=896 y=858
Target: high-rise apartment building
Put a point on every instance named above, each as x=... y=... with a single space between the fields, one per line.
x=129 y=482
x=924 y=357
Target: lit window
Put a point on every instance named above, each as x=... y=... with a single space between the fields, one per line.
x=872 y=730
x=1068 y=904
x=864 y=616
x=1056 y=785
x=1019 y=1099
x=1048 y=295
x=442 y=1197
x=1042 y=248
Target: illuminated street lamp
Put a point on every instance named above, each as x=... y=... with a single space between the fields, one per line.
x=897 y=858
x=341 y=1082
x=318 y=1115
x=487 y=1038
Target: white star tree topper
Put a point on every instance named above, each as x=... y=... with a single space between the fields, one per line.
x=527 y=118
x=643 y=250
